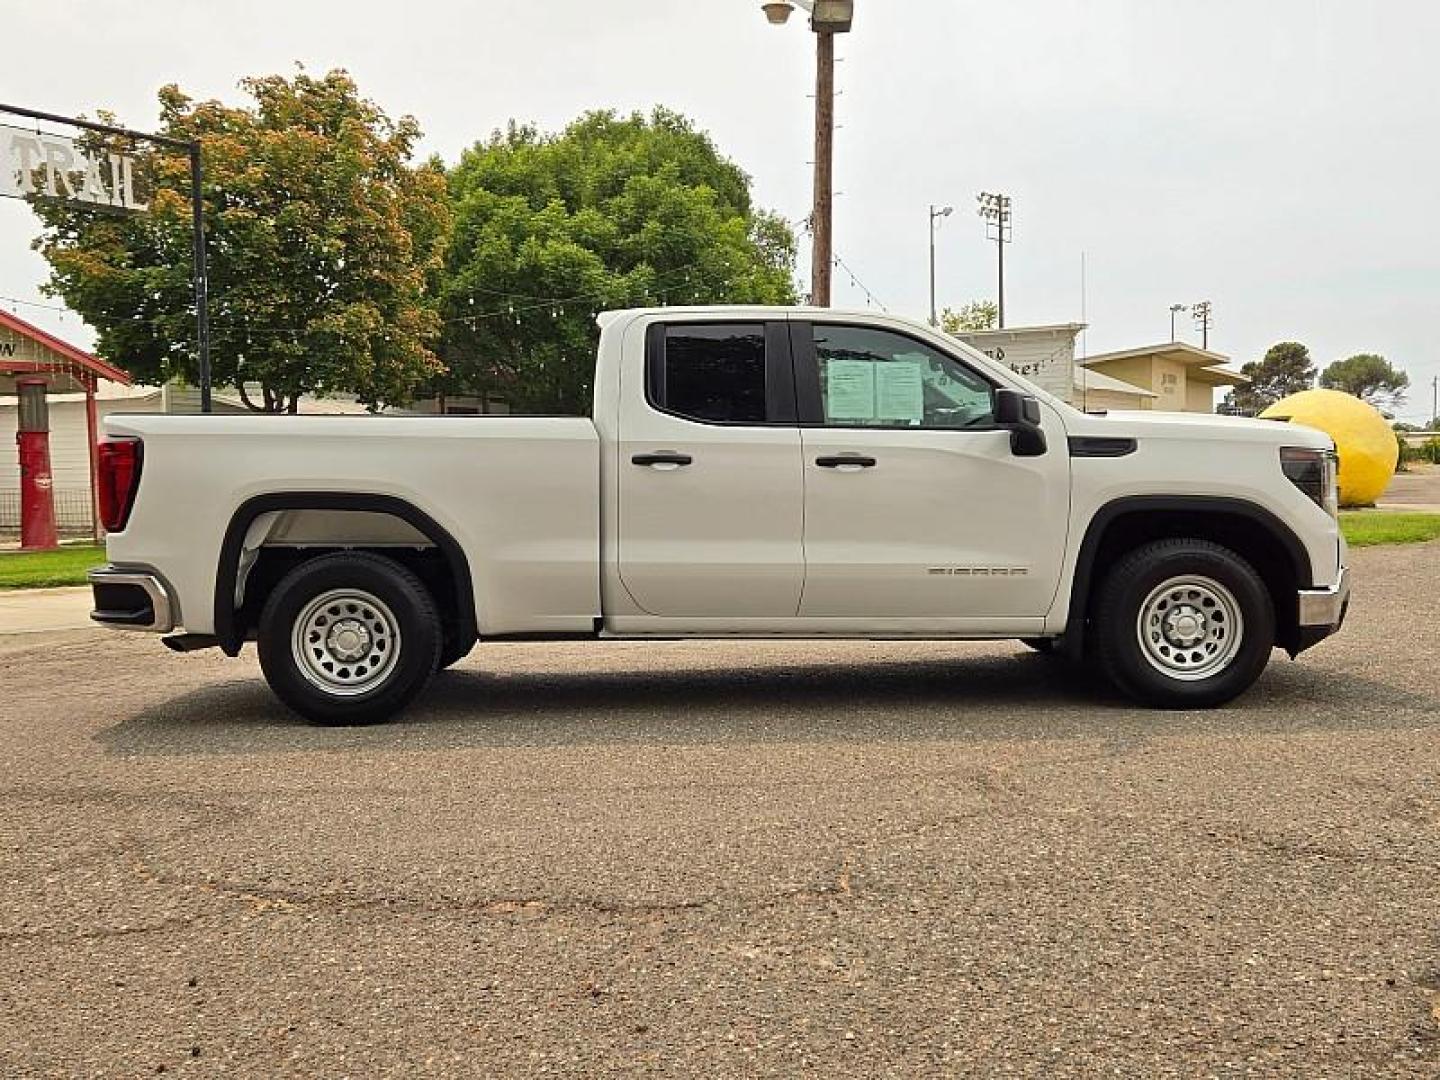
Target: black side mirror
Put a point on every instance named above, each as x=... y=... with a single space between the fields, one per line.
x=1020 y=413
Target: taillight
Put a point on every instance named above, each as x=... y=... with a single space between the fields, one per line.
x=118 y=480
x=1315 y=472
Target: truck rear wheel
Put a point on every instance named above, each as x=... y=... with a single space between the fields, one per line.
x=1183 y=624
x=349 y=638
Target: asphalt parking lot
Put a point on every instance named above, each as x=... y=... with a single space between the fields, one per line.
x=728 y=859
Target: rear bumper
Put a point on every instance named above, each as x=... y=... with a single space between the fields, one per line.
x=1321 y=612
x=131 y=600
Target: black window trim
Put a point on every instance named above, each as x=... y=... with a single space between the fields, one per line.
x=779 y=371
x=809 y=401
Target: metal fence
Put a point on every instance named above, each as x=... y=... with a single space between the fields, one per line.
x=72 y=511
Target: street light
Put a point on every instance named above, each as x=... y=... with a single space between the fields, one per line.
x=1174 y=309
x=944 y=212
x=995 y=209
x=827 y=18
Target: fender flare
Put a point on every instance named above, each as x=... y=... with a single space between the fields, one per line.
x=227 y=627
x=1082 y=581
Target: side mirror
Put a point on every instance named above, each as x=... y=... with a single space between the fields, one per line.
x=1020 y=413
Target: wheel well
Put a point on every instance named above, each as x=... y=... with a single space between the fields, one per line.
x=273 y=563
x=1263 y=543
x=269 y=535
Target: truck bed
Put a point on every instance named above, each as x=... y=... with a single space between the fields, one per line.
x=525 y=491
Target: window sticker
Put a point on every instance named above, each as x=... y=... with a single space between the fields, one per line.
x=849 y=389
x=900 y=391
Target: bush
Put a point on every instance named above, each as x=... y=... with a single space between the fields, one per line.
x=1430 y=450
x=1407 y=453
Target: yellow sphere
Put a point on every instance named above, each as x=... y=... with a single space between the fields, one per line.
x=1365 y=442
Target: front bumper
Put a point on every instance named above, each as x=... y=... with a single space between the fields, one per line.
x=1321 y=612
x=131 y=600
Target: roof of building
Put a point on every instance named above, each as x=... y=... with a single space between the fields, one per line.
x=68 y=359
x=1086 y=379
x=1205 y=366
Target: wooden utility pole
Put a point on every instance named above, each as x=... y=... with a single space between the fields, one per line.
x=821 y=253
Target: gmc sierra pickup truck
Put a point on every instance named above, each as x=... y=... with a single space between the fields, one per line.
x=748 y=472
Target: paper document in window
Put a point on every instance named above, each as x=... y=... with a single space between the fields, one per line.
x=849 y=390
x=900 y=391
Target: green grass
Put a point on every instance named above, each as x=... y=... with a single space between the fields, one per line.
x=1366 y=528
x=46 y=569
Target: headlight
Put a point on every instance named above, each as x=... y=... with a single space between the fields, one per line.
x=1316 y=473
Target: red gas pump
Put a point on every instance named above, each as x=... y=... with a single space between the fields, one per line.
x=37 y=495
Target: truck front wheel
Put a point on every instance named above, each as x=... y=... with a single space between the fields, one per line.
x=349 y=638
x=1183 y=624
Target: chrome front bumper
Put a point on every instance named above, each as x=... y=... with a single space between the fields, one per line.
x=131 y=600
x=1325 y=608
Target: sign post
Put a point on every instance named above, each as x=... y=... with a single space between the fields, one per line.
x=70 y=172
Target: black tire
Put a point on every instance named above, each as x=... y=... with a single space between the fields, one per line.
x=1044 y=645
x=1217 y=675
x=402 y=659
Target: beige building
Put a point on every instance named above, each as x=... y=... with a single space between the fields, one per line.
x=1176 y=377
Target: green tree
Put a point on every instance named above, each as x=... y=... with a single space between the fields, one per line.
x=611 y=212
x=321 y=238
x=976 y=315
x=1285 y=369
x=1369 y=377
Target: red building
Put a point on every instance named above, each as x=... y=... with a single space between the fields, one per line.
x=34 y=365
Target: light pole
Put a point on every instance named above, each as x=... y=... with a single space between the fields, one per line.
x=827 y=18
x=1201 y=314
x=943 y=212
x=1174 y=309
x=995 y=209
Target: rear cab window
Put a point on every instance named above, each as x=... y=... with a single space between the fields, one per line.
x=720 y=372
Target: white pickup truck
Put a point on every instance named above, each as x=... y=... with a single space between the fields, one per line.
x=749 y=472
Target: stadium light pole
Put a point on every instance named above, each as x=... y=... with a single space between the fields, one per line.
x=1201 y=314
x=935 y=215
x=995 y=209
x=827 y=18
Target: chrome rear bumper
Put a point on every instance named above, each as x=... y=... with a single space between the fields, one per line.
x=131 y=600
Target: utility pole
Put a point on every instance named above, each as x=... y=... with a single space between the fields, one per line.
x=1173 y=309
x=1201 y=314
x=827 y=18
x=995 y=209
x=1435 y=401
x=822 y=216
x=934 y=215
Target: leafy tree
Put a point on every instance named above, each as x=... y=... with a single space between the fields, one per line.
x=321 y=237
x=1369 y=377
x=611 y=212
x=1285 y=369
x=976 y=315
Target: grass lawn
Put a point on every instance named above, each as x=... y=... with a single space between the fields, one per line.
x=44 y=569
x=1365 y=528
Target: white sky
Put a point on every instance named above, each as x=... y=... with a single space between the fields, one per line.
x=1280 y=158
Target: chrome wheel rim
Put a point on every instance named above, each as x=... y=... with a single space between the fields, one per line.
x=346 y=642
x=1190 y=628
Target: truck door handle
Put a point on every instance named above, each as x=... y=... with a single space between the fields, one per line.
x=663 y=459
x=856 y=460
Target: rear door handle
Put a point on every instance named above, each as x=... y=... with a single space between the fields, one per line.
x=842 y=460
x=665 y=459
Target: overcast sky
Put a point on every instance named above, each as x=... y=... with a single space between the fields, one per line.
x=1281 y=159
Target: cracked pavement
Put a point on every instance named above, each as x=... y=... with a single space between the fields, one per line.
x=718 y=858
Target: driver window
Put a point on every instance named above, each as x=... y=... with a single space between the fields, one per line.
x=878 y=378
